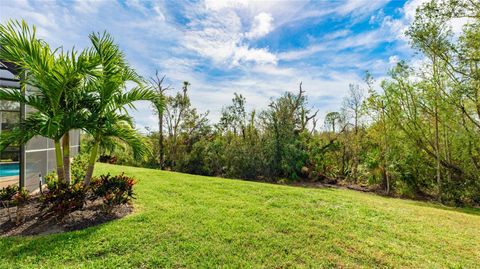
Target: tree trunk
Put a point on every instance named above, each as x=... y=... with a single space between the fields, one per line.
x=447 y=152
x=437 y=153
x=160 y=140
x=59 y=160
x=66 y=157
x=387 y=177
x=437 y=139
x=385 y=152
x=355 y=148
x=91 y=163
x=344 y=160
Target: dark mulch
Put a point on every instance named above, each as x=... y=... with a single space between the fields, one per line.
x=38 y=222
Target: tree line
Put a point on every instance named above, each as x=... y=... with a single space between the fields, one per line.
x=417 y=136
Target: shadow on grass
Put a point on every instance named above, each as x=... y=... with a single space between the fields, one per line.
x=465 y=210
x=79 y=245
x=15 y=248
x=84 y=231
x=422 y=203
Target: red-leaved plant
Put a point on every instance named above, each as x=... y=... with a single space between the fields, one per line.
x=114 y=190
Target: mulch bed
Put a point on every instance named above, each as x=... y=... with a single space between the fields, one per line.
x=38 y=222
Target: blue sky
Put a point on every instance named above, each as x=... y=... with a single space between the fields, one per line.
x=257 y=48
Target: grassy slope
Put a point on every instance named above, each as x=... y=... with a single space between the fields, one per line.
x=193 y=221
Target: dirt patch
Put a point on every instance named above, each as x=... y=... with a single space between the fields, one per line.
x=338 y=185
x=39 y=222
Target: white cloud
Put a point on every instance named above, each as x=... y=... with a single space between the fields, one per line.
x=219 y=36
x=364 y=40
x=219 y=5
x=393 y=60
x=302 y=53
x=410 y=9
x=360 y=8
x=89 y=6
x=458 y=23
x=262 y=25
x=159 y=14
x=259 y=56
x=337 y=34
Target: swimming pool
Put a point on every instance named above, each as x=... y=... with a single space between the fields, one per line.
x=9 y=169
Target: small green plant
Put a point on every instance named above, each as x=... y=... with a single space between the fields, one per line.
x=20 y=199
x=51 y=179
x=7 y=193
x=114 y=190
x=14 y=196
x=79 y=167
x=6 y=198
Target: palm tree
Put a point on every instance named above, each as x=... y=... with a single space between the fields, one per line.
x=54 y=79
x=109 y=100
x=71 y=91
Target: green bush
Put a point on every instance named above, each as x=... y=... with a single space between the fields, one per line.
x=51 y=179
x=14 y=196
x=7 y=193
x=79 y=167
x=21 y=197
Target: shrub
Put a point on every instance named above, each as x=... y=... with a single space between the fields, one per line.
x=20 y=199
x=7 y=193
x=108 y=159
x=14 y=196
x=51 y=179
x=62 y=200
x=114 y=190
x=79 y=167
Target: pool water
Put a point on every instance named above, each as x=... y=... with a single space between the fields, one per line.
x=9 y=169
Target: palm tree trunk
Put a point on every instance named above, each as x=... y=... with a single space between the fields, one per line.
x=59 y=160
x=66 y=156
x=91 y=163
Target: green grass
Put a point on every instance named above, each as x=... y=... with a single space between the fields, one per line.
x=202 y=222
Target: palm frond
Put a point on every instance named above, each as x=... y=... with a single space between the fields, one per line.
x=15 y=136
x=14 y=95
x=139 y=93
x=125 y=133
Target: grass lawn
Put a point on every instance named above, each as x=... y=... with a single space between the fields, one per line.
x=192 y=221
